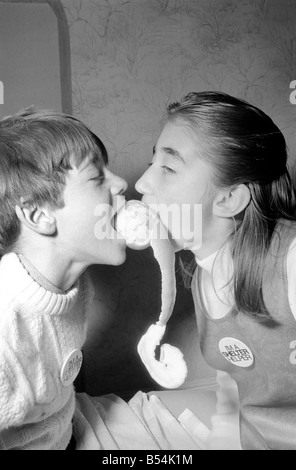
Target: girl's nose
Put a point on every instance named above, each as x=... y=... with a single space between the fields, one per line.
x=118 y=185
x=142 y=185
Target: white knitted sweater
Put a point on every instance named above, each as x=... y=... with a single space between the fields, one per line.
x=38 y=330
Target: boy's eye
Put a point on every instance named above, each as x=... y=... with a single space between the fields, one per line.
x=99 y=177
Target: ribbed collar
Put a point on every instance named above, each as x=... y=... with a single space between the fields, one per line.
x=19 y=288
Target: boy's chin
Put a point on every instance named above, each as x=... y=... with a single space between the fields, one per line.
x=116 y=257
x=119 y=260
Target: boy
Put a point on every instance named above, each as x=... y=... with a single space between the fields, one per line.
x=54 y=183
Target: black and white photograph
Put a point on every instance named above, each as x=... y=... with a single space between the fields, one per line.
x=147 y=227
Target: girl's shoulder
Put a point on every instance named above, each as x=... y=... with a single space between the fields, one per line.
x=286 y=225
x=291 y=255
x=284 y=236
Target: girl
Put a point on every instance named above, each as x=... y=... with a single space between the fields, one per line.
x=229 y=156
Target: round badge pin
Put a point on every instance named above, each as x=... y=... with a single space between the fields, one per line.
x=71 y=367
x=236 y=352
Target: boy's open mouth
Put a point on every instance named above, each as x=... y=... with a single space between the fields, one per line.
x=119 y=204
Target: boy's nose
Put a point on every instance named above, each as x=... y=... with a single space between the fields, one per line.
x=118 y=185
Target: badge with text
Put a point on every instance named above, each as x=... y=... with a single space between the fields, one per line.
x=71 y=367
x=236 y=352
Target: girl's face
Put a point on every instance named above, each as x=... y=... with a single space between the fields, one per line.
x=84 y=224
x=178 y=178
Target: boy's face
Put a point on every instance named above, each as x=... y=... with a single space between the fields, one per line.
x=84 y=225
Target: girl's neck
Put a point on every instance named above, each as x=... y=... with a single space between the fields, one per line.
x=214 y=236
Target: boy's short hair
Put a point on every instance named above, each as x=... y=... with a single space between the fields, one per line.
x=37 y=148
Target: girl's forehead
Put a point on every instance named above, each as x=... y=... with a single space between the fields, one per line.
x=173 y=126
x=179 y=139
x=178 y=133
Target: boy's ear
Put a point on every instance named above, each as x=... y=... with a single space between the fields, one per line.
x=230 y=202
x=40 y=220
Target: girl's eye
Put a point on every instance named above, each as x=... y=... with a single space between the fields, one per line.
x=167 y=169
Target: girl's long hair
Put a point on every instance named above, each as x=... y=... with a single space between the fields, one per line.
x=244 y=146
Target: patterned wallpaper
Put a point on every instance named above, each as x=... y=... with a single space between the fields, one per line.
x=130 y=58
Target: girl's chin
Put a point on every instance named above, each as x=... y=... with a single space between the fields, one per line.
x=177 y=246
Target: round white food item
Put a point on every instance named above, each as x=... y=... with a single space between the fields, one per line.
x=132 y=222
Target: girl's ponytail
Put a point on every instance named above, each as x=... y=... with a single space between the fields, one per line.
x=251 y=241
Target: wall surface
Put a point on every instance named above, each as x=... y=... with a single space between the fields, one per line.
x=131 y=58
x=29 y=57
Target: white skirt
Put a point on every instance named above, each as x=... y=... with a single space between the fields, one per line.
x=144 y=423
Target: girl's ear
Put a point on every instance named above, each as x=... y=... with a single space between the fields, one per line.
x=39 y=220
x=231 y=202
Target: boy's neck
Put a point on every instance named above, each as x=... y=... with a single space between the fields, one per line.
x=52 y=265
x=37 y=276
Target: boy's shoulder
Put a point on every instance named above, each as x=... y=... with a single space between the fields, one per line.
x=10 y=279
x=13 y=284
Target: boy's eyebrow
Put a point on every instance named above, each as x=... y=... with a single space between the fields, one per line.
x=83 y=165
x=90 y=164
x=172 y=152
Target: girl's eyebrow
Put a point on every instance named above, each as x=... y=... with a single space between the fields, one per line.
x=172 y=152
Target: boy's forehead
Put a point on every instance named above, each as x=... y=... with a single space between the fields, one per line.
x=88 y=162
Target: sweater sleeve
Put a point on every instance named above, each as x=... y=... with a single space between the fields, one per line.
x=16 y=397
